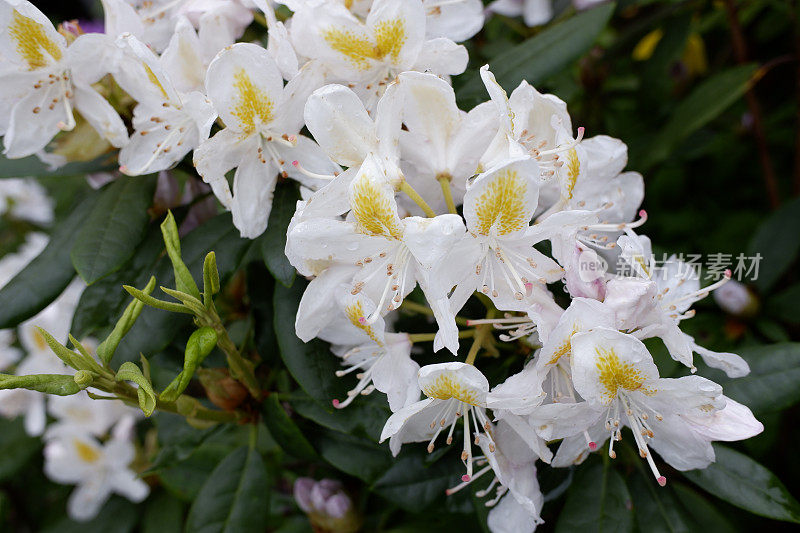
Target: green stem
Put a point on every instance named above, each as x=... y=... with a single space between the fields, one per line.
x=241 y=368
x=483 y=331
x=128 y=394
x=444 y=181
x=414 y=307
x=414 y=195
x=427 y=337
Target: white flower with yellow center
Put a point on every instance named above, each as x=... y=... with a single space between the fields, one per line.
x=441 y=145
x=615 y=375
x=393 y=255
x=370 y=54
x=498 y=252
x=168 y=124
x=655 y=303
x=453 y=19
x=97 y=469
x=260 y=138
x=44 y=81
x=454 y=391
x=381 y=360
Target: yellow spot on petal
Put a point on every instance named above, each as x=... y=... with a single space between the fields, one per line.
x=32 y=41
x=86 y=452
x=154 y=80
x=564 y=349
x=615 y=375
x=390 y=35
x=573 y=169
x=354 y=312
x=447 y=386
x=252 y=105
x=373 y=210
x=39 y=340
x=501 y=207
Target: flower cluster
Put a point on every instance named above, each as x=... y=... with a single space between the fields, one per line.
x=505 y=203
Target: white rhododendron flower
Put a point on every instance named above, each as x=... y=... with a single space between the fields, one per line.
x=454 y=391
x=97 y=469
x=260 y=140
x=45 y=81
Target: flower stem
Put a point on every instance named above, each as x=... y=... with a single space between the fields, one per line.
x=427 y=337
x=481 y=334
x=414 y=195
x=444 y=181
x=414 y=307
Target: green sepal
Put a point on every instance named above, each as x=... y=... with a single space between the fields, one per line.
x=107 y=348
x=147 y=396
x=155 y=302
x=184 y=281
x=199 y=345
x=210 y=279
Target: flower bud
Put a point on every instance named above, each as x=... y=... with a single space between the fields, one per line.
x=328 y=506
x=223 y=391
x=737 y=299
x=83 y=378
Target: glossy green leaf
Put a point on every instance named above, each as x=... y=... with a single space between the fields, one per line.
x=311 y=363
x=114 y=228
x=358 y=456
x=234 y=498
x=32 y=166
x=285 y=431
x=739 y=480
x=657 y=509
x=597 y=501
x=777 y=241
x=273 y=242
x=705 y=103
x=413 y=484
x=47 y=275
x=772 y=382
x=541 y=56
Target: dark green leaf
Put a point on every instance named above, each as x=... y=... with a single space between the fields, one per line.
x=47 y=275
x=541 y=56
x=598 y=500
x=783 y=306
x=705 y=516
x=162 y=514
x=32 y=166
x=657 y=508
x=234 y=498
x=739 y=480
x=312 y=364
x=16 y=447
x=413 y=485
x=705 y=103
x=114 y=228
x=284 y=430
x=273 y=242
x=772 y=382
x=359 y=457
x=777 y=241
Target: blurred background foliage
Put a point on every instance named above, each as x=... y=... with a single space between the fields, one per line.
x=705 y=93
